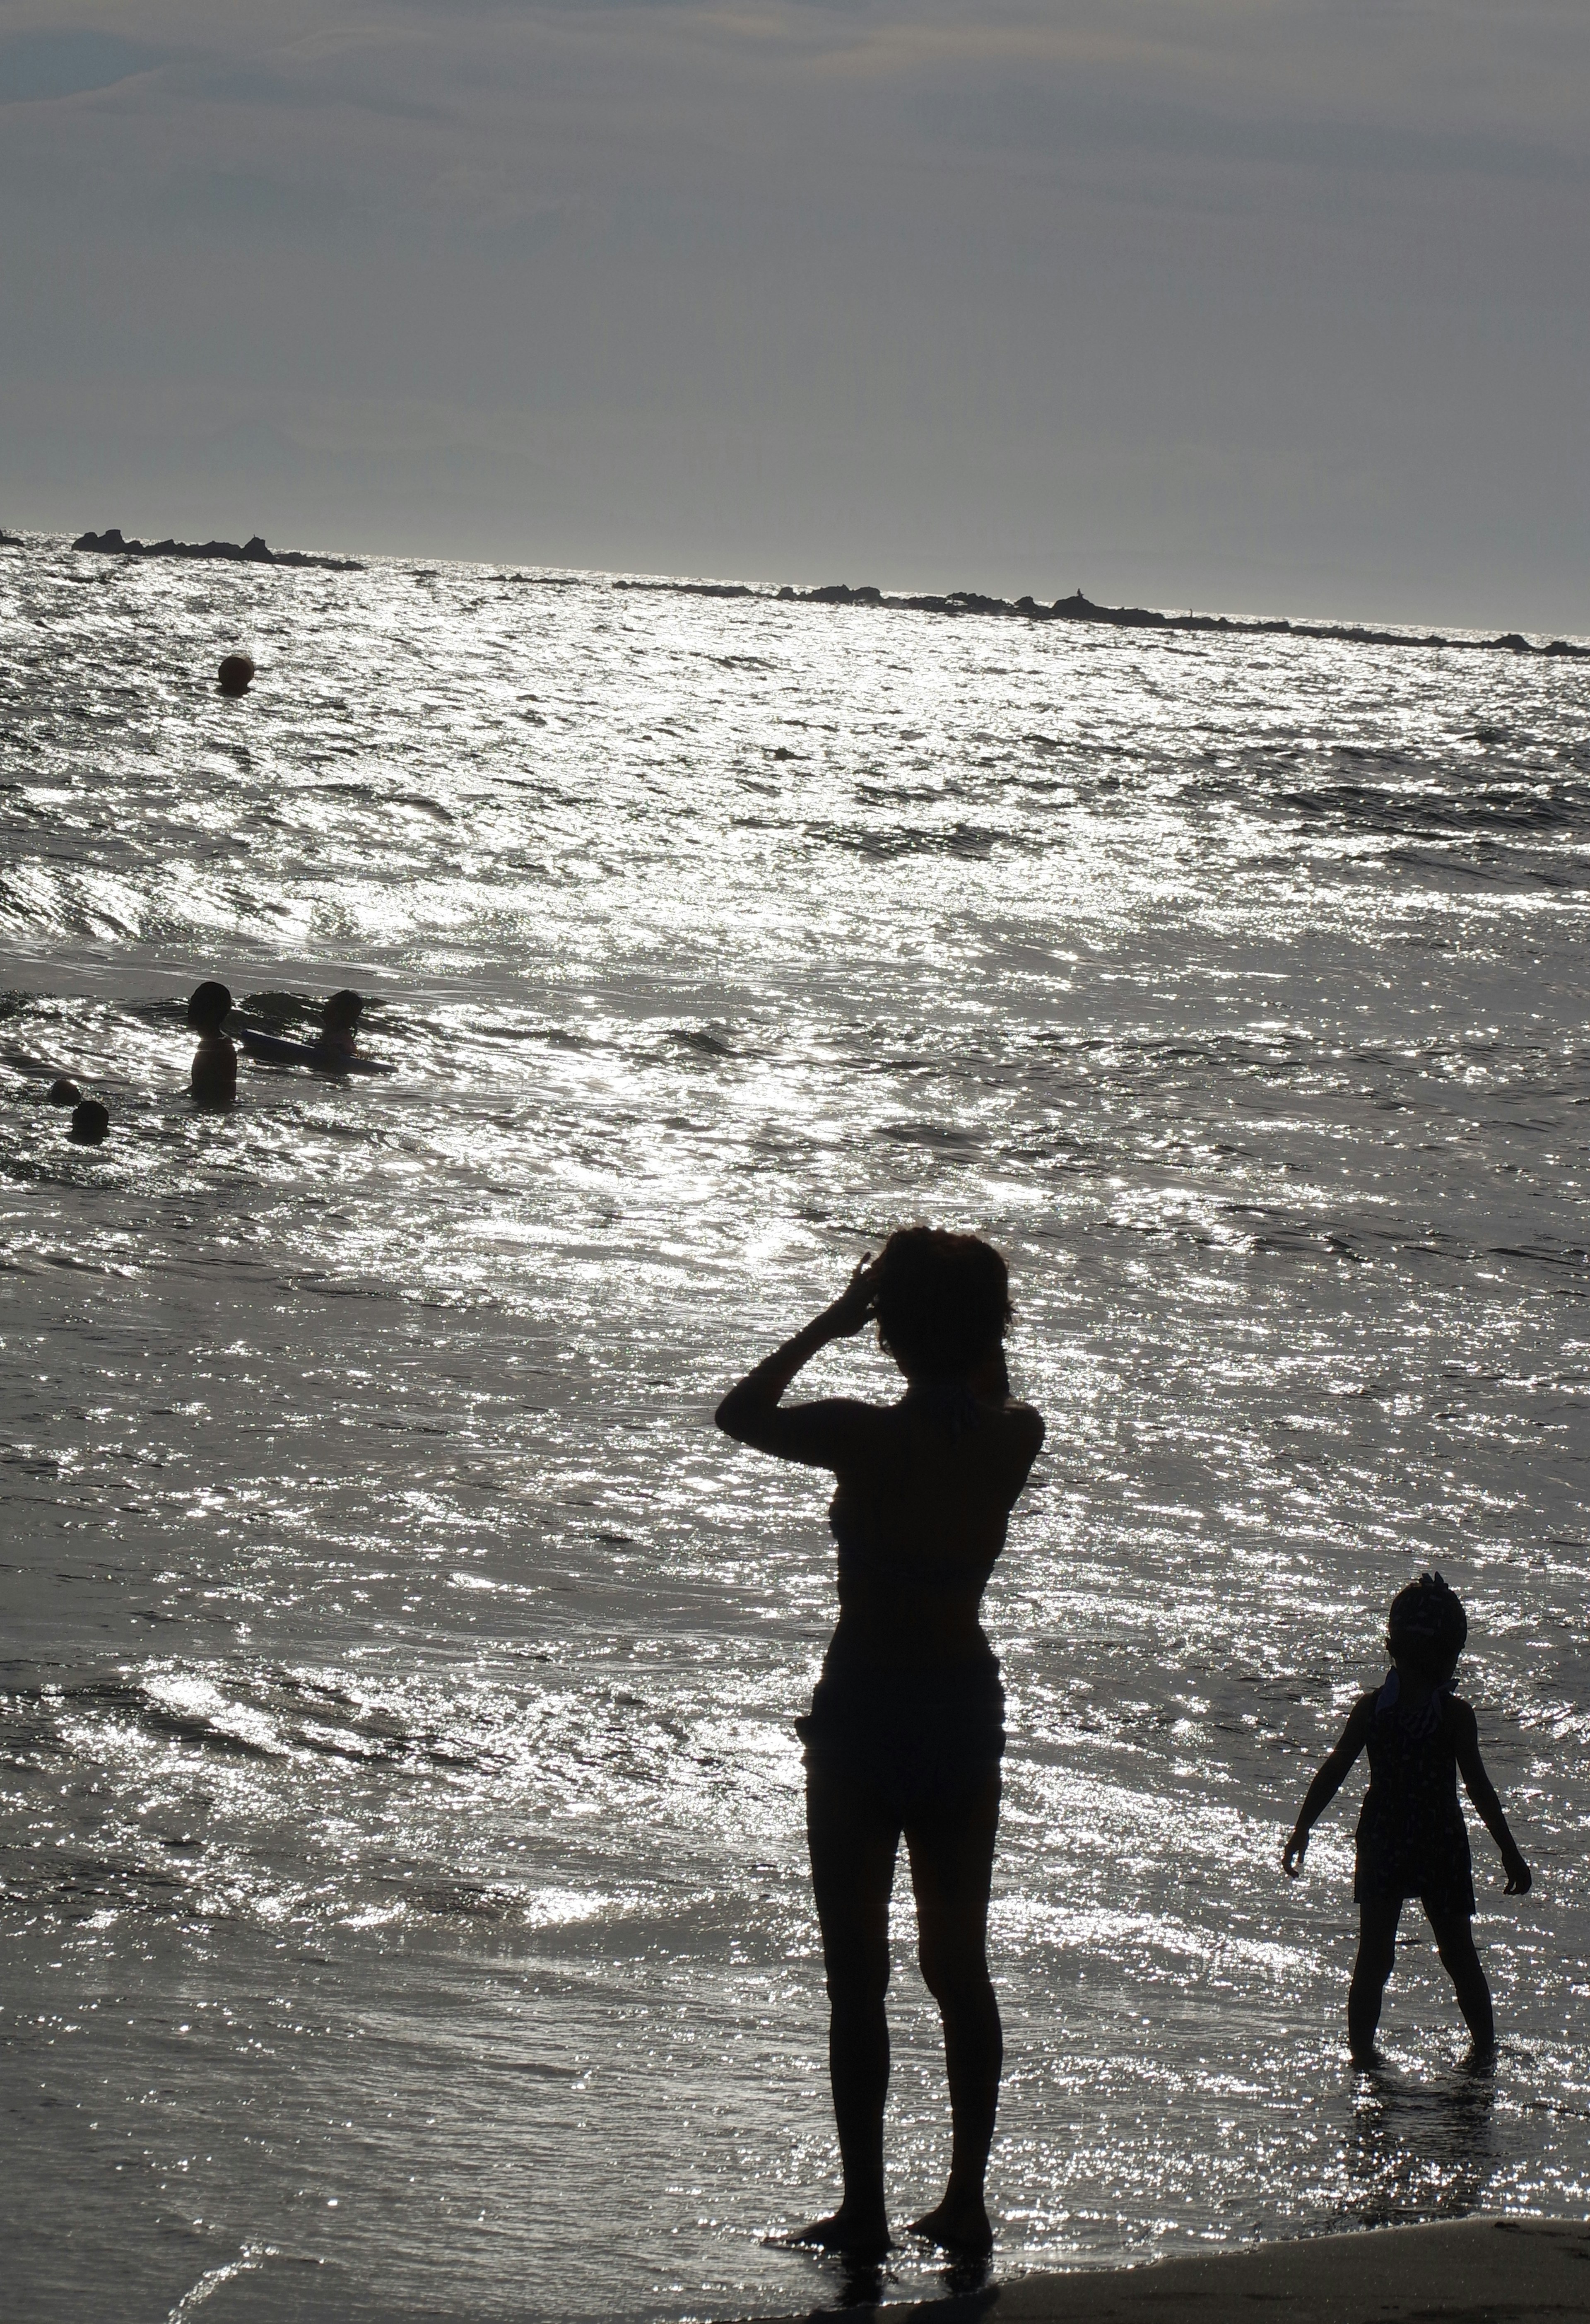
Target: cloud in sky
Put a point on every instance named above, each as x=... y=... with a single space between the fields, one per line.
x=1255 y=302
x=44 y=64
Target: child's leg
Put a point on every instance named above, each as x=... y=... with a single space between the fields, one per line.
x=1453 y=1935
x=1377 y=1950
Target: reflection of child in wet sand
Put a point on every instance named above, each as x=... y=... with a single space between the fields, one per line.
x=214 y=1078
x=1413 y=1841
x=339 y=1025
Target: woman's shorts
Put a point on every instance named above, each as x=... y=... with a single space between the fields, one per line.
x=920 y=1740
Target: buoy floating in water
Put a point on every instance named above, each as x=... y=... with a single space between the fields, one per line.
x=235 y=674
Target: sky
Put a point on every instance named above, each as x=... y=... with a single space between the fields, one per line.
x=1251 y=305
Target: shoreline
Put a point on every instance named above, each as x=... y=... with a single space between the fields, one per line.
x=957 y=604
x=1487 y=2270
x=961 y=603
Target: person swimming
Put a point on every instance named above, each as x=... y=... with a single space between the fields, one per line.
x=906 y=1731
x=339 y=1025
x=214 y=1077
x=90 y=1122
x=1411 y=1838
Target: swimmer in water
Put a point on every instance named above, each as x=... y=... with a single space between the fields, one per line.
x=1411 y=1838
x=906 y=1726
x=214 y=1077
x=339 y=1026
x=90 y=1123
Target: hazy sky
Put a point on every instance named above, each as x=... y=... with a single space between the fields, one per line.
x=1253 y=304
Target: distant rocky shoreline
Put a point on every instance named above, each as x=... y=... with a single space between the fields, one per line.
x=956 y=603
x=249 y=552
x=1079 y=608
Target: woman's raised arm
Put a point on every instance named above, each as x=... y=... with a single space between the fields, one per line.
x=818 y=1433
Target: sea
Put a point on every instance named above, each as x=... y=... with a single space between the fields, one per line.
x=405 y=1904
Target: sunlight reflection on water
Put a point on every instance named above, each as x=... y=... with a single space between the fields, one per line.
x=405 y=1876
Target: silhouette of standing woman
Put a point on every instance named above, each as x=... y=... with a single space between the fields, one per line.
x=905 y=1730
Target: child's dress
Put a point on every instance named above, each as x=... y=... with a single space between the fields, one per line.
x=1412 y=1837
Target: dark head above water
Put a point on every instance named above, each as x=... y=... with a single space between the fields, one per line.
x=342 y=1010
x=237 y=674
x=90 y=1123
x=64 y=1092
x=209 y=1009
x=942 y=1302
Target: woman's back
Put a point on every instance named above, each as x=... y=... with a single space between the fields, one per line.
x=924 y=1499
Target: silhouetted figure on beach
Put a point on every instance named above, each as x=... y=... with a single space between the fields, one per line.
x=214 y=1077
x=1411 y=1838
x=339 y=1026
x=905 y=1730
x=90 y=1123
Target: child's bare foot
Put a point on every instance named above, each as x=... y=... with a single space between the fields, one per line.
x=958 y=2224
x=861 y=2234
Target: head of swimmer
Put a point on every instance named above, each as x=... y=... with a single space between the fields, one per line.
x=941 y=1303
x=339 y=1021
x=1426 y=1632
x=208 y=1010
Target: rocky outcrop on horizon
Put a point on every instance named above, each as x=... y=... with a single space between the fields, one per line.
x=955 y=604
x=1079 y=608
x=250 y=552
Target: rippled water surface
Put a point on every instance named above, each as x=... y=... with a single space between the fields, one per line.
x=404 y=1880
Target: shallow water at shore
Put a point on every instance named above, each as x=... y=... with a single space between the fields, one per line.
x=404 y=1880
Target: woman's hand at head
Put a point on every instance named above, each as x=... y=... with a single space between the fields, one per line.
x=852 y=1310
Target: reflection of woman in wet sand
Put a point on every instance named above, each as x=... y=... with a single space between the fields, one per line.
x=905 y=1730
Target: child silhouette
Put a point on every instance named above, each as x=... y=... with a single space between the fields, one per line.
x=1411 y=1838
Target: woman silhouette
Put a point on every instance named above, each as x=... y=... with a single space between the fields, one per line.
x=905 y=1730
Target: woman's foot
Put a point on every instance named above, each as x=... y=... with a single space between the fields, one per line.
x=862 y=2235
x=960 y=2224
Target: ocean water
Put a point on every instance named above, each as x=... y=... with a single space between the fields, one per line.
x=404 y=1893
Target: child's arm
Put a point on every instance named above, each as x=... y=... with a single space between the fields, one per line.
x=1327 y=1783
x=1465 y=1742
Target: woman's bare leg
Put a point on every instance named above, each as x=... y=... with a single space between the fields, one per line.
x=1377 y=1950
x=952 y=1866
x=853 y=1847
x=1453 y=1935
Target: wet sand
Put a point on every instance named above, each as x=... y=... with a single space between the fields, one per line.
x=1470 y=2271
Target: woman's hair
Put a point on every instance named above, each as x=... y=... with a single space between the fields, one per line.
x=941 y=1302
x=1427 y=1627
x=209 y=1009
x=343 y=1009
